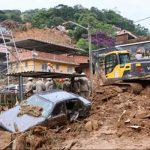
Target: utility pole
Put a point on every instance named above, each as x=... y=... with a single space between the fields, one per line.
x=90 y=50
x=90 y=58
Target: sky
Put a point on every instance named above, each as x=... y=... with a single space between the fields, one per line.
x=131 y=9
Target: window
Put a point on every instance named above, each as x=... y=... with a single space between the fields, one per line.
x=69 y=69
x=124 y=58
x=59 y=109
x=110 y=63
x=26 y=64
x=44 y=67
x=57 y=67
x=38 y=101
x=73 y=105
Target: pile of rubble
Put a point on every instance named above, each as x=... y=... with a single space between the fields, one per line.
x=34 y=111
x=10 y=24
x=127 y=114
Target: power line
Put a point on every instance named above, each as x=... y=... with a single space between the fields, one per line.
x=142 y=19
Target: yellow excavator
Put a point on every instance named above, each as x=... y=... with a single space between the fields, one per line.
x=116 y=67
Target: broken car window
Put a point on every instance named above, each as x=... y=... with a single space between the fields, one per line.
x=59 y=109
x=38 y=101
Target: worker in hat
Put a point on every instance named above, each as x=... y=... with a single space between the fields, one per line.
x=84 y=86
x=29 y=87
x=66 y=85
x=76 y=86
x=40 y=86
x=49 y=84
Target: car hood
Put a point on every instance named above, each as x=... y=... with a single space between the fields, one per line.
x=9 y=120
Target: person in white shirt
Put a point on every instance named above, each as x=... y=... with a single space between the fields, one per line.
x=138 y=54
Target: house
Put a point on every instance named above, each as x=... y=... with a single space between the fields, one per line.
x=123 y=36
x=4 y=36
x=37 y=61
x=34 y=57
x=3 y=65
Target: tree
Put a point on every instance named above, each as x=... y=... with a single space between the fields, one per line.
x=99 y=20
x=99 y=40
x=40 y=19
x=84 y=44
x=2 y=16
x=102 y=39
x=27 y=16
x=14 y=15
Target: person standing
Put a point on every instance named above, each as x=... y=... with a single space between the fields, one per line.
x=84 y=86
x=40 y=86
x=138 y=54
x=49 y=84
x=29 y=87
x=76 y=86
x=66 y=85
x=49 y=67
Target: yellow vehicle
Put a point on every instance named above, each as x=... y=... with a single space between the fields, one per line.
x=117 y=66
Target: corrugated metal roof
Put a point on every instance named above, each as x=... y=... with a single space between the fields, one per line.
x=44 y=46
x=39 y=74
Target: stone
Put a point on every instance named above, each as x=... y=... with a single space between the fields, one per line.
x=88 y=126
x=95 y=125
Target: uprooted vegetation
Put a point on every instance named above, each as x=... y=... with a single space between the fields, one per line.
x=125 y=113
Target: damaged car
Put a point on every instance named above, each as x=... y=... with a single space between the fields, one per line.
x=52 y=108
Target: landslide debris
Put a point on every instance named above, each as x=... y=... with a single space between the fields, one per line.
x=34 y=111
x=126 y=114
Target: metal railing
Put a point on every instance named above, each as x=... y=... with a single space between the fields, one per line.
x=36 y=68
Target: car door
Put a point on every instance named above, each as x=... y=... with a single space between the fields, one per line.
x=58 y=115
x=74 y=107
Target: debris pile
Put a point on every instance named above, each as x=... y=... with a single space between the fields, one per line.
x=46 y=34
x=125 y=113
x=34 y=111
x=10 y=24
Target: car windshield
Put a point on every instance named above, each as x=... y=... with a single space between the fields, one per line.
x=124 y=58
x=38 y=101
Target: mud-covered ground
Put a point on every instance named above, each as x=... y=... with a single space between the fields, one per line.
x=119 y=119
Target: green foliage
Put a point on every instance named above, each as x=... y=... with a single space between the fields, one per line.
x=99 y=20
x=2 y=16
x=13 y=15
x=40 y=19
x=84 y=44
x=27 y=16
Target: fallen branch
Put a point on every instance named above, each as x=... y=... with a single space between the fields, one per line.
x=122 y=115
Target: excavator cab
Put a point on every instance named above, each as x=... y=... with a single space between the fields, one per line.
x=116 y=64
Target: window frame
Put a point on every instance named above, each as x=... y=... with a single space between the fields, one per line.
x=120 y=62
x=75 y=99
x=109 y=69
x=55 y=115
x=44 y=67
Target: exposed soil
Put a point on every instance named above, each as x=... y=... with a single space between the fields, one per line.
x=118 y=120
